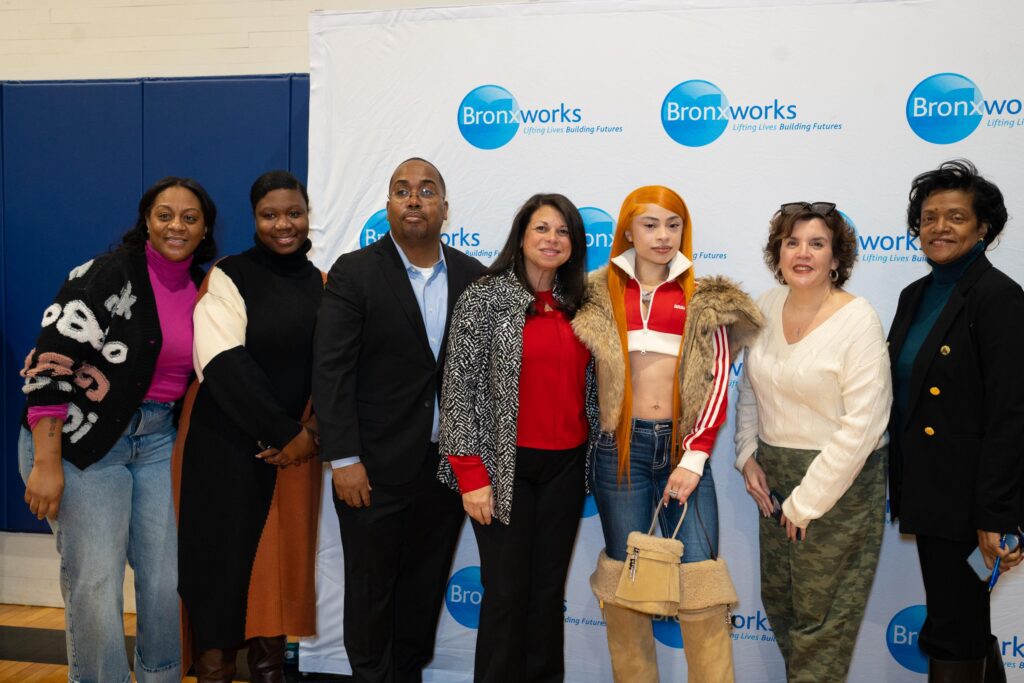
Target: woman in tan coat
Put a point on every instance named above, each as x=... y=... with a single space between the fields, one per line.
x=663 y=343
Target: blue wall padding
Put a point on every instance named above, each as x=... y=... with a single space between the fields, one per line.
x=74 y=159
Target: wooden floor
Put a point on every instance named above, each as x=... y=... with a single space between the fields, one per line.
x=37 y=634
x=43 y=618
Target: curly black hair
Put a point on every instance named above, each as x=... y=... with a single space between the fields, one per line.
x=959 y=174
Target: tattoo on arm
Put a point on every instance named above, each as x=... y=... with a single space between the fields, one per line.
x=53 y=428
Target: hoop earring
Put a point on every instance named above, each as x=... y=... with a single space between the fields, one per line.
x=833 y=275
x=778 y=276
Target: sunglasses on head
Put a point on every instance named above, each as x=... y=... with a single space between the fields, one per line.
x=821 y=208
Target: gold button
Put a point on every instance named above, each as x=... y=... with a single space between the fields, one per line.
x=944 y=350
x=934 y=391
x=929 y=431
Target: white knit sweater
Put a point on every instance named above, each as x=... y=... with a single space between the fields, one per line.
x=830 y=392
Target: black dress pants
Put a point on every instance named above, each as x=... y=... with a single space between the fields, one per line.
x=958 y=625
x=398 y=554
x=523 y=567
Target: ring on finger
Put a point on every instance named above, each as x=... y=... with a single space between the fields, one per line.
x=672 y=493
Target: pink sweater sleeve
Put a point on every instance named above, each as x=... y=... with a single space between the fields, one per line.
x=37 y=413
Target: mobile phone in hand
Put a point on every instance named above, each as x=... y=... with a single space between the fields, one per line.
x=776 y=505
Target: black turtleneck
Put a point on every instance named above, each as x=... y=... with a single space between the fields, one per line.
x=294 y=264
x=263 y=385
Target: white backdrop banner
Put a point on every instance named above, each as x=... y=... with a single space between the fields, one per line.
x=739 y=109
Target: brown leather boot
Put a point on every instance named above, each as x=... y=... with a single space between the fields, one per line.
x=707 y=643
x=266 y=659
x=631 y=645
x=215 y=666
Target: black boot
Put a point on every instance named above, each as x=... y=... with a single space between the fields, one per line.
x=994 y=670
x=956 y=671
x=266 y=659
x=215 y=666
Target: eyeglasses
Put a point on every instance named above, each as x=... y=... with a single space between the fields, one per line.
x=821 y=208
x=425 y=192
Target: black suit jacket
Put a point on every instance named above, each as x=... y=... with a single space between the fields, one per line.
x=374 y=376
x=957 y=454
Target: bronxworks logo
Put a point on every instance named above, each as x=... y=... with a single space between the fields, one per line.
x=696 y=113
x=464 y=595
x=375 y=227
x=600 y=228
x=489 y=116
x=884 y=248
x=901 y=638
x=948 y=107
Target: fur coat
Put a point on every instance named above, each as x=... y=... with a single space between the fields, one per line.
x=716 y=301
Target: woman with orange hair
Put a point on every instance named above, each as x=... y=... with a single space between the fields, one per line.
x=663 y=343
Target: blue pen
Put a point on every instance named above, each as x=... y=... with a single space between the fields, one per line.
x=995 y=566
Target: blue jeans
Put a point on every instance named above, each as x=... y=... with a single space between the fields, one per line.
x=628 y=505
x=114 y=510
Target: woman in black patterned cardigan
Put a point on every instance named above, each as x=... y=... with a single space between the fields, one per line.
x=514 y=426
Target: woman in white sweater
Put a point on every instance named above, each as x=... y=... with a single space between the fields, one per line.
x=813 y=407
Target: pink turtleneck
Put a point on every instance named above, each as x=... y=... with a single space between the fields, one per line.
x=175 y=295
x=175 y=299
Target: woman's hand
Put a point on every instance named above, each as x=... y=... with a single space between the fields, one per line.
x=45 y=485
x=479 y=504
x=988 y=541
x=757 y=486
x=793 y=532
x=44 y=488
x=297 y=451
x=681 y=484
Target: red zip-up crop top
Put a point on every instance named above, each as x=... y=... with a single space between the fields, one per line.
x=662 y=332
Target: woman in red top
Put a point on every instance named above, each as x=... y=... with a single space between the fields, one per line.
x=514 y=425
x=662 y=343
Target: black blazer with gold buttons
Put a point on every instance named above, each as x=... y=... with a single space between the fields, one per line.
x=957 y=454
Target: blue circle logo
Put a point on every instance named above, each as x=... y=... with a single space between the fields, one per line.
x=375 y=227
x=488 y=117
x=589 y=506
x=600 y=229
x=944 y=108
x=666 y=631
x=901 y=637
x=464 y=595
x=695 y=113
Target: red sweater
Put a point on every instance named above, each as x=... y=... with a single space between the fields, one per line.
x=552 y=386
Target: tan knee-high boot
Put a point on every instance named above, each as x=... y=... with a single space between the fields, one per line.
x=707 y=643
x=631 y=644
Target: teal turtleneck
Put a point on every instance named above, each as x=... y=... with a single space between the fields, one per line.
x=933 y=300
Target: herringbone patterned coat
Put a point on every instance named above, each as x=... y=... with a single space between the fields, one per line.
x=480 y=393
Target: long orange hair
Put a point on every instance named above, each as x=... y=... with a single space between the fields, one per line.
x=632 y=207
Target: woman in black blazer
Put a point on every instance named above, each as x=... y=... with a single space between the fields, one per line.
x=957 y=426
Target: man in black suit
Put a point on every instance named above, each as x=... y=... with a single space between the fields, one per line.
x=379 y=359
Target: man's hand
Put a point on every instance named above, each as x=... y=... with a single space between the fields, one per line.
x=988 y=541
x=352 y=485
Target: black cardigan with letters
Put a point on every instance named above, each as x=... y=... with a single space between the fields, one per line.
x=97 y=351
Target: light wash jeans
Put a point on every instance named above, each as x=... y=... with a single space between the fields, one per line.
x=118 y=509
x=628 y=505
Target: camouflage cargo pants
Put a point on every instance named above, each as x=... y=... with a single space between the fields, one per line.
x=815 y=591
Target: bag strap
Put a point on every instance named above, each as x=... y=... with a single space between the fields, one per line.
x=654 y=520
